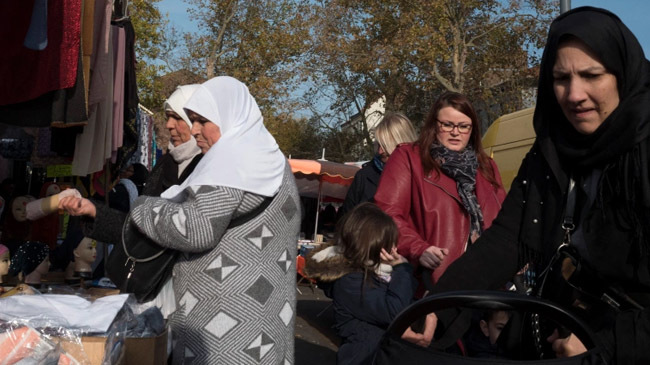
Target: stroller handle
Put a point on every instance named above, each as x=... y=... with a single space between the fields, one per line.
x=483 y=299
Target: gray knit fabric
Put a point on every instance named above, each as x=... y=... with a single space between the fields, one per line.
x=235 y=289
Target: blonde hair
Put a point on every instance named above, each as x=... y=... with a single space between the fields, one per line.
x=394 y=128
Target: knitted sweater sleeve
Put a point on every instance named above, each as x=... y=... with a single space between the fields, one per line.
x=198 y=222
x=106 y=226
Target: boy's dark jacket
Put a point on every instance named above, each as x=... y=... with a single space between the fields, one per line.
x=361 y=312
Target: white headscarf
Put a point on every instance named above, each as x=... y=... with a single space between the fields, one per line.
x=184 y=152
x=177 y=101
x=246 y=157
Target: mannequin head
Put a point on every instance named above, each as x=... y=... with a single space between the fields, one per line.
x=16 y=227
x=31 y=262
x=49 y=189
x=18 y=207
x=84 y=255
x=4 y=261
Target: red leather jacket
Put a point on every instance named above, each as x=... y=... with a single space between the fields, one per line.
x=428 y=210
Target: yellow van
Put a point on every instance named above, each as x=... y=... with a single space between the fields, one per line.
x=508 y=140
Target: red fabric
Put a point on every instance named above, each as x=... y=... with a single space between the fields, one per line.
x=27 y=74
x=428 y=210
x=300 y=268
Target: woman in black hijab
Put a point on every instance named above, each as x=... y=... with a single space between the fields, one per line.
x=592 y=121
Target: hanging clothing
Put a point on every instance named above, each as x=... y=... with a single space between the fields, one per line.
x=31 y=113
x=87 y=30
x=131 y=130
x=93 y=146
x=142 y=154
x=119 y=43
x=26 y=73
x=69 y=105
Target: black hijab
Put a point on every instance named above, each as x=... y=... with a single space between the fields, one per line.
x=621 y=144
x=628 y=126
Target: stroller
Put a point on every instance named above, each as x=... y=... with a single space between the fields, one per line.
x=394 y=350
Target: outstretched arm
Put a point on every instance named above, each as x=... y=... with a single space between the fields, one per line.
x=197 y=223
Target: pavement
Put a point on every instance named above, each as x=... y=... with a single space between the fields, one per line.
x=316 y=341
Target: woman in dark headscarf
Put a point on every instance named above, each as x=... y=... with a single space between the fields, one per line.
x=593 y=125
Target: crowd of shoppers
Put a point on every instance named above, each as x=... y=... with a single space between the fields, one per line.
x=440 y=214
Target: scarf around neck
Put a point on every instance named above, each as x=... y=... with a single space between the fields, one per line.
x=379 y=164
x=184 y=153
x=461 y=166
x=246 y=156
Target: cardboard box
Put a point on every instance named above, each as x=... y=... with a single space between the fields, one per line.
x=91 y=349
x=136 y=351
x=146 y=351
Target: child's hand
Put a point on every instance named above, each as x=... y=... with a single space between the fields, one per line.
x=422 y=339
x=392 y=258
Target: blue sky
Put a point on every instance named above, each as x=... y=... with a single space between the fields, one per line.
x=634 y=13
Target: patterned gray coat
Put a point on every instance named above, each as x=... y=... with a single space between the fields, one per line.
x=235 y=288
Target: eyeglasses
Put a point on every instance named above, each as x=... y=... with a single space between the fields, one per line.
x=449 y=126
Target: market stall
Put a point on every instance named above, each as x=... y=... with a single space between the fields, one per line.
x=70 y=122
x=323 y=180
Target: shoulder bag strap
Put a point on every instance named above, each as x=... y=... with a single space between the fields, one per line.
x=233 y=223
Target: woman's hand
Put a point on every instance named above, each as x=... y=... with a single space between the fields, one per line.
x=422 y=339
x=78 y=206
x=566 y=347
x=392 y=258
x=432 y=257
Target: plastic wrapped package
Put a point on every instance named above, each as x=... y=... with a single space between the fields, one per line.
x=25 y=345
x=63 y=329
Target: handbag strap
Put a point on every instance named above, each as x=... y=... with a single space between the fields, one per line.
x=567 y=224
x=250 y=215
x=233 y=223
x=126 y=251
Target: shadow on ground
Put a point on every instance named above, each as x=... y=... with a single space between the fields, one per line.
x=312 y=354
x=316 y=341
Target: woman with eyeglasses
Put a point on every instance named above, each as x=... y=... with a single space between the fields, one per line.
x=577 y=215
x=443 y=191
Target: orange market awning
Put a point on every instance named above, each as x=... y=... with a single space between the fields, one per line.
x=323 y=180
x=331 y=179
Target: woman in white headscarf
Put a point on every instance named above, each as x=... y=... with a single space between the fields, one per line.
x=105 y=224
x=236 y=219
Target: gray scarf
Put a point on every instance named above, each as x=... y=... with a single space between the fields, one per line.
x=461 y=166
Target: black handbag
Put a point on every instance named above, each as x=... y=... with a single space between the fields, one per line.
x=154 y=264
x=140 y=266
x=394 y=350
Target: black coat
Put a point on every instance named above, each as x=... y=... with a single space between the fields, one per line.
x=107 y=224
x=363 y=187
x=531 y=217
x=362 y=311
x=615 y=229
